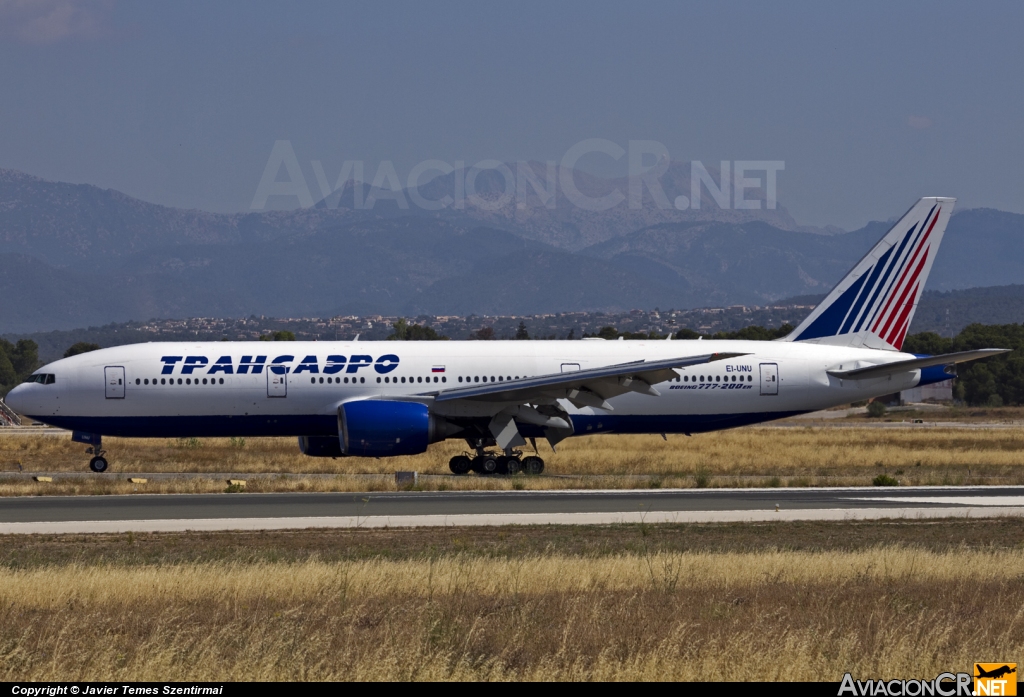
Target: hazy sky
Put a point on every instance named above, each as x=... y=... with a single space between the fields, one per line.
x=870 y=105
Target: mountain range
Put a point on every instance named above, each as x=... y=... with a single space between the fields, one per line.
x=73 y=255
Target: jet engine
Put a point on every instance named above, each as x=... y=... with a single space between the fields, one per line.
x=380 y=428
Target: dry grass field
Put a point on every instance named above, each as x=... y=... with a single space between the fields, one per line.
x=770 y=602
x=797 y=456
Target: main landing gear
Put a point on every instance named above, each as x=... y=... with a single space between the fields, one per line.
x=490 y=463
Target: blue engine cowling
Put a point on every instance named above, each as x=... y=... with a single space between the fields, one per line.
x=381 y=428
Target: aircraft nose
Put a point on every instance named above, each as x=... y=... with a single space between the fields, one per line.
x=15 y=399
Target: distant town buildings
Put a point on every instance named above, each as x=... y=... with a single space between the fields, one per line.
x=540 y=326
x=566 y=325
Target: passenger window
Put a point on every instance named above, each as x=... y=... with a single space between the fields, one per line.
x=222 y=381
x=362 y=379
x=137 y=381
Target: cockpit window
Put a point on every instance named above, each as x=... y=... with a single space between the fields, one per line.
x=42 y=378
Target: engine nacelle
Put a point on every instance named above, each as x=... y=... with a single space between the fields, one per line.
x=320 y=446
x=382 y=428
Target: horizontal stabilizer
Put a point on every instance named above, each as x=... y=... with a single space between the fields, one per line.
x=880 y=371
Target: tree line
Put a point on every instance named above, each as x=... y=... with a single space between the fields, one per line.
x=993 y=382
x=17 y=361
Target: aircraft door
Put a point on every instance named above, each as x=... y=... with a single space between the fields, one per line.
x=769 y=378
x=113 y=379
x=277 y=385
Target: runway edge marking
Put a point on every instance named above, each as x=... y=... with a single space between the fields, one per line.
x=476 y=520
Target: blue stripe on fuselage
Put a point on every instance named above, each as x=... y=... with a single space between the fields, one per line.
x=327 y=424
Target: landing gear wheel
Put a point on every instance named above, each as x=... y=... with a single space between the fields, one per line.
x=485 y=464
x=533 y=465
x=460 y=464
x=513 y=465
x=98 y=464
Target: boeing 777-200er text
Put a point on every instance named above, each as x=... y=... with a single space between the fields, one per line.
x=381 y=399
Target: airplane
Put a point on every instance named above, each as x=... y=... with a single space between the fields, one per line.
x=386 y=398
x=996 y=673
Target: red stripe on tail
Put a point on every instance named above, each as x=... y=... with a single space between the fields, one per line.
x=900 y=307
x=906 y=270
x=900 y=330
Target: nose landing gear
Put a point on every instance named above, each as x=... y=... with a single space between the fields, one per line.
x=98 y=463
x=95 y=441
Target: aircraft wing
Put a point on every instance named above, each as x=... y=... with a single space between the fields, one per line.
x=879 y=371
x=591 y=387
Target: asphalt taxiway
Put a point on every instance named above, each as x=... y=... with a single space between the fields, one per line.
x=244 y=511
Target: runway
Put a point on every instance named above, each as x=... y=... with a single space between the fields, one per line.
x=242 y=511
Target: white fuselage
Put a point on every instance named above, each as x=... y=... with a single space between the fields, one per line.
x=296 y=388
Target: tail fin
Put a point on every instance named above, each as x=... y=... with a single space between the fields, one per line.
x=874 y=305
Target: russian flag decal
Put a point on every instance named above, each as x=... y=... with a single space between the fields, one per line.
x=437 y=369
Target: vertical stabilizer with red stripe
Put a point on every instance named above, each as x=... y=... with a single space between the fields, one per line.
x=874 y=305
